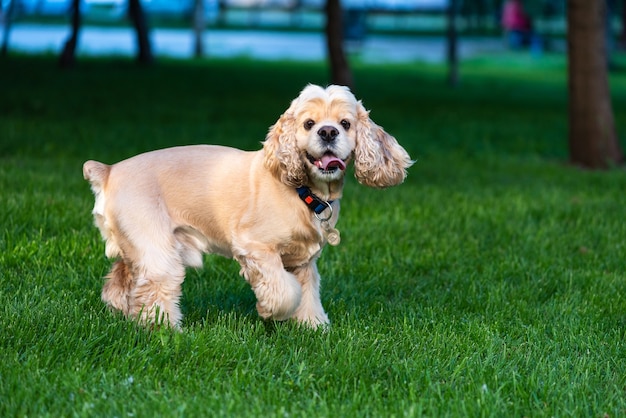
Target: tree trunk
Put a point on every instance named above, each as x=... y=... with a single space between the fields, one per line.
x=340 y=70
x=593 y=141
x=68 y=55
x=198 y=28
x=6 y=33
x=622 y=38
x=452 y=38
x=138 y=17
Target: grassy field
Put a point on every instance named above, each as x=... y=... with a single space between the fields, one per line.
x=491 y=283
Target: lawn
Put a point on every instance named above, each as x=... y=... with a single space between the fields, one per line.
x=491 y=283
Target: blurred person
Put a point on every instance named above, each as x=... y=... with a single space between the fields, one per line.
x=517 y=25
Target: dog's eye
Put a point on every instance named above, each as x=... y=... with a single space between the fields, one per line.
x=308 y=125
x=345 y=124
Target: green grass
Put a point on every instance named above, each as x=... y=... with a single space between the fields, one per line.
x=491 y=283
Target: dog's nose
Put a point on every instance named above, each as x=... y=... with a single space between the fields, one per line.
x=328 y=133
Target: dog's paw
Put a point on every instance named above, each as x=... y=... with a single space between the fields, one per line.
x=314 y=320
x=278 y=300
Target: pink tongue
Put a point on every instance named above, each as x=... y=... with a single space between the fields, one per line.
x=329 y=161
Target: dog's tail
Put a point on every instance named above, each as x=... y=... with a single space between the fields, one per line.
x=97 y=174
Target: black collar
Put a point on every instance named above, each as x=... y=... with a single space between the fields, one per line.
x=314 y=203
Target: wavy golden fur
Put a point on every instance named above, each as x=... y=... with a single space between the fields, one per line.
x=159 y=211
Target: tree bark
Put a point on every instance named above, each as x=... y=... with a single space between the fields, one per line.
x=68 y=55
x=138 y=17
x=198 y=28
x=340 y=70
x=593 y=141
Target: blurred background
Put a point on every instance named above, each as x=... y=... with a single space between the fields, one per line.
x=586 y=35
x=375 y=30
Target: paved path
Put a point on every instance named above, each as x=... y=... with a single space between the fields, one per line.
x=266 y=45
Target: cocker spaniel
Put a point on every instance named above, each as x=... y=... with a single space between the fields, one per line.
x=272 y=210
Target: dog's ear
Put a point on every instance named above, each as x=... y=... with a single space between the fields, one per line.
x=379 y=161
x=281 y=152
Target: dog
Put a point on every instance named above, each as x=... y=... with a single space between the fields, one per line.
x=272 y=210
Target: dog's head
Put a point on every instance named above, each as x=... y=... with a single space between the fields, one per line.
x=322 y=131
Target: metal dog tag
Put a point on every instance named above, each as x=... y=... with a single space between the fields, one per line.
x=331 y=234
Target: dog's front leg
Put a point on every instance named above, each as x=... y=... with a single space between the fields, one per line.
x=310 y=311
x=277 y=291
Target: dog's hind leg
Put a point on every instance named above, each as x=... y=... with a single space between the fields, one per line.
x=116 y=290
x=157 y=290
x=150 y=295
x=145 y=283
